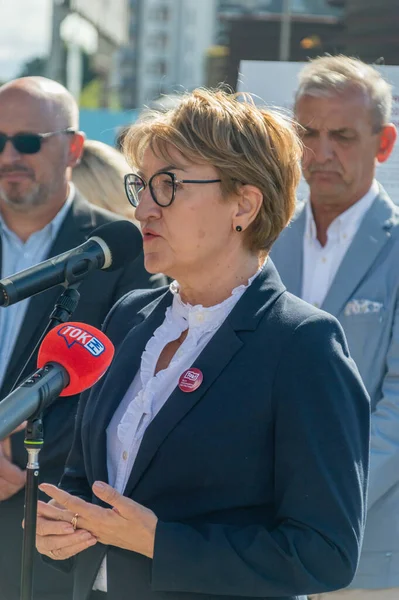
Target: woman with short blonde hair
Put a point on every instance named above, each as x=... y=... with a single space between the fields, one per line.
x=224 y=455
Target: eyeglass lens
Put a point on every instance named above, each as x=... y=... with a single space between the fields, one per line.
x=25 y=143
x=134 y=185
x=161 y=186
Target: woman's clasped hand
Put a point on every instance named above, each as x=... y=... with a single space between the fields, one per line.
x=127 y=524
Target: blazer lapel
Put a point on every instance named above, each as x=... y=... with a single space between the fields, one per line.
x=215 y=357
x=125 y=365
x=76 y=228
x=211 y=363
x=371 y=237
x=290 y=258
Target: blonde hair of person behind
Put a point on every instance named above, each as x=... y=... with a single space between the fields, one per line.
x=329 y=75
x=245 y=143
x=100 y=178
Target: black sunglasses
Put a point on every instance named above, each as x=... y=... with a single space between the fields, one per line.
x=29 y=143
x=162 y=186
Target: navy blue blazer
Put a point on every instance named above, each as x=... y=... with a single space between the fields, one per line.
x=258 y=477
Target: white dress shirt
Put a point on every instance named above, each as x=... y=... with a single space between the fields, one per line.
x=17 y=256
x=321 y=263
x=148 y=391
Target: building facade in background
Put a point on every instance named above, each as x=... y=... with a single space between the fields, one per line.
x=371 y=29
x=86 y=36
x=177 y=45
x=236 y=9
x=167 y=50
x=255 y=32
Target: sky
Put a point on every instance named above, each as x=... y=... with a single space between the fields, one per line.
x=25 y=27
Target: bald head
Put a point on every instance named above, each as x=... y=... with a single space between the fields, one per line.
x=59 y=105
x=38 y=180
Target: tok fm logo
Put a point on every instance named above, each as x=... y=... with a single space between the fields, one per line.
x=75 y=335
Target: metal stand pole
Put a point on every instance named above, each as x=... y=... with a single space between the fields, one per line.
x=63 y=309
x=33 y=444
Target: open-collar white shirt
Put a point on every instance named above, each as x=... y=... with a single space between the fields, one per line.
x=321 y=263
x=16 y=256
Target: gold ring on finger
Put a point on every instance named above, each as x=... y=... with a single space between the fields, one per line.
x=74 y=521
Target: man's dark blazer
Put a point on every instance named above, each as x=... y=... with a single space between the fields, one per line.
x=258 y=477
x=98 y=293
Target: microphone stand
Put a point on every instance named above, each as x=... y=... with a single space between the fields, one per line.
x=65 y=306
x=33 y=444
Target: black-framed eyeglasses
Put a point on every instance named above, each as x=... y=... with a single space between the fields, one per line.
x=162 y=185
x=29 y=143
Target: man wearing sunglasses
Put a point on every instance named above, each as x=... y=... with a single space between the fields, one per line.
x=42 y=215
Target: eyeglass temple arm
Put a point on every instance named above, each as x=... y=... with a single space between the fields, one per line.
x=198 y=180
x=51 y=133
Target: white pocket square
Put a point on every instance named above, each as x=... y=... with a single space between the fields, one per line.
x=362 y=307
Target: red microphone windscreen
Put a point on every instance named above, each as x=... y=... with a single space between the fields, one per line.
x=84 y=351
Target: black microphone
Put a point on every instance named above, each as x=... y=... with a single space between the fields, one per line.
x=109 y=247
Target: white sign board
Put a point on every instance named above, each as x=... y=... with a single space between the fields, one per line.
x=110 y=17
x=274 y=83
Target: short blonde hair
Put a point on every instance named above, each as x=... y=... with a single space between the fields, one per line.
x=100 y=178
x=330 y=75
x=246 y=144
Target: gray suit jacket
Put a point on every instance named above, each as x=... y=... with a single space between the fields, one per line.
x=364 y=298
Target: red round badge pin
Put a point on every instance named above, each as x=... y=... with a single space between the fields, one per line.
x=190 y=380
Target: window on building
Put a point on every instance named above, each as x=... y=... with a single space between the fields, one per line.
x=188 y=45
x=163 y=40
x=190 y=17
x=158 y=67
x=158 y=41
x=161 y=13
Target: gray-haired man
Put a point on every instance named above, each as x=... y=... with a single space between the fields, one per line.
x=341 y=253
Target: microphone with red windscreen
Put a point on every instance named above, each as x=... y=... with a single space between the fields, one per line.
x=72 y=358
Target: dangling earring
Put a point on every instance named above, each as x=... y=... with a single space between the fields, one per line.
x=238 y=228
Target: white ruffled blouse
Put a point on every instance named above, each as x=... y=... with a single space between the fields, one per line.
x=148 y=391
